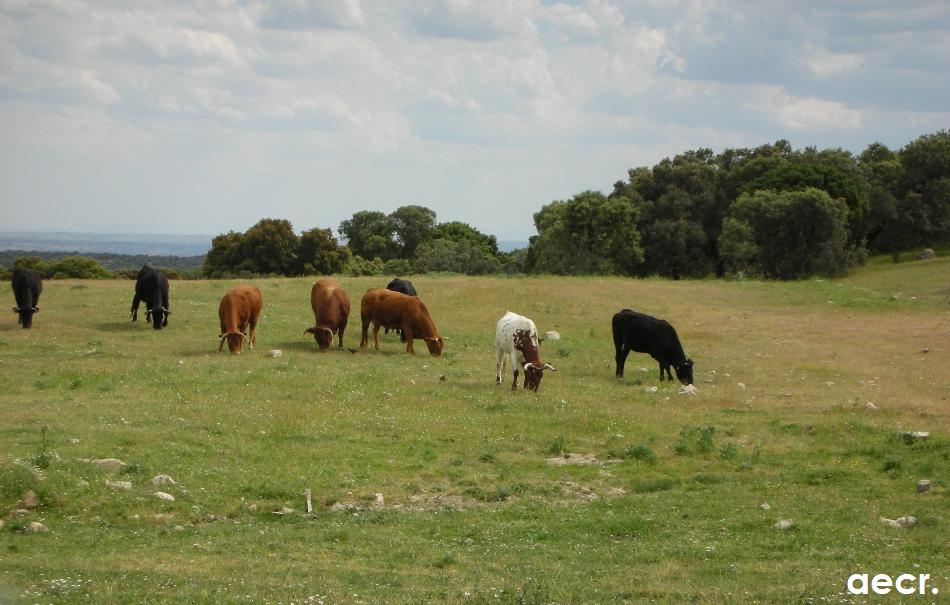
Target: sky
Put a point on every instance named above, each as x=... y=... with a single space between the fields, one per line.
x=167 y=116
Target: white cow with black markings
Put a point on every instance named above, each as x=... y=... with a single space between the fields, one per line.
x=516 y=343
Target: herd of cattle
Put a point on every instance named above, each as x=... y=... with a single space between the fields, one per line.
x=397 y=307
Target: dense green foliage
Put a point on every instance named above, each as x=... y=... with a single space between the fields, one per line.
x=691 y=214
x=112 y=262
x=272 y=247
x=589 y=233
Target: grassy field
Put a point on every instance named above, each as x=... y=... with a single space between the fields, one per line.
x=660 y=500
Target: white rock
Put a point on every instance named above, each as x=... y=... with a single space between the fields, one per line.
x=870 y=405
x=109 y=465
x=689 y=389
x=73 y=440
x=284 y=511
x=649 y=389
x=552 y=335
x=164 y=496
x=642 y=370
x=37 y=527
x=741 y=385
x=380 y=501
x=783 y=524
x=765 y=506
x=907 y=522
x=275 y=353
x=179 y=528
x=900 y=522
x=923 y=486
x=133 y=517
x=162 y=480
x=125 y=485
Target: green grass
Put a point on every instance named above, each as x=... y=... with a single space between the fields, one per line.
x=473 y=512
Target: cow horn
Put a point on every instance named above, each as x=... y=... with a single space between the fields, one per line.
x=16 y=309
x=528 y=364
x=548 y=366
x=221 y=344
x=326 y=329
x=309 y=331
x=35 y=309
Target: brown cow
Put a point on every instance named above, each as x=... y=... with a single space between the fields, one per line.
x=388 y=309
x=239 y=310
x=331 y=309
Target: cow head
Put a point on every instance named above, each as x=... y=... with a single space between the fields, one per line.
x=158 y=317
x=26 y=316
x=235 y=342
x=684 y=372
x=436 y=344
x=533 y=374
x=323 y=336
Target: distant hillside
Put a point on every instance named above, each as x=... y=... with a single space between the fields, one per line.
x=110 y=261
x=108 y=243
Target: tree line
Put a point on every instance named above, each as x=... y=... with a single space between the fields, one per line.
x=770 y=211
x=407 y=240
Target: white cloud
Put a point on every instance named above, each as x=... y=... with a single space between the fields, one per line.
x=446 y=103
x=802 y=113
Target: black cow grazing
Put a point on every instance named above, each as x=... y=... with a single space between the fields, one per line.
x=151 y=286
x=644 y=334
x=27 y=287
x=403 y=286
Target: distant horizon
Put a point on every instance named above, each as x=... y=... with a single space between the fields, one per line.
x=156 y=244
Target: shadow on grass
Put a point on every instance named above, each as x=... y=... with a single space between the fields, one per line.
x=122 y=326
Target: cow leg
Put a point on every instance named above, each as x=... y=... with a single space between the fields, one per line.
x=376 y=335
x=622 y=353
x=135 y=307
x=364 y=337
x=500 y=365
x=165 y=306
x=339 y=334
x=407 y=337
x=252 y=337
x=514 y=376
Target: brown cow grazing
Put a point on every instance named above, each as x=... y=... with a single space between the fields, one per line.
x=331 y=309
x=388 y=309
x=239 y=311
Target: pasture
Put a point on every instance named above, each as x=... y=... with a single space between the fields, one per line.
x=659 y=500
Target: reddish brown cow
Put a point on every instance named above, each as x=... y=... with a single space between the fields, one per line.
x=388 y=309
x=239 y=311
x=331 y=309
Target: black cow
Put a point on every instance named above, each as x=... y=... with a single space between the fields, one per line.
x=27 y=287
x=644 y=334
x=151 y=286
x=403 y=286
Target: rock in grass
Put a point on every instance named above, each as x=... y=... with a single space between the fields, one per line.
x=28 y=500
x=765 y=506
x=689 y=389
x=380 y=500
x=108 y=465
x=164 y=496
x=784 y=524
x=912 y=436
x=163 y=480
x=552 y=335
x=650 y=389
x=123 y=485
x=275 y=353
x=36 y=527
x=870 y=405
x=923 y=486
x=900 y=522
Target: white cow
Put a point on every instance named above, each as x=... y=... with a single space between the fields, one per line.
x=516 y=342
